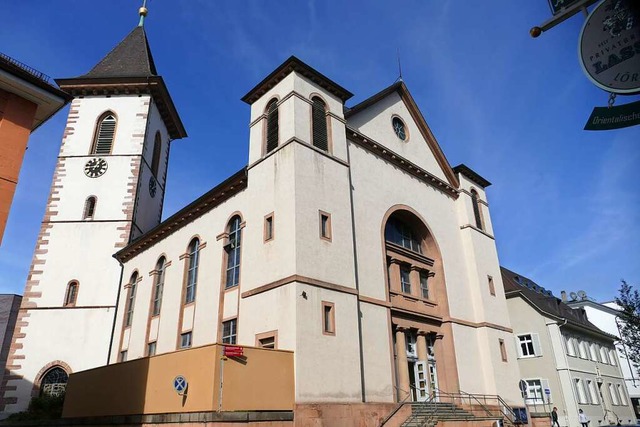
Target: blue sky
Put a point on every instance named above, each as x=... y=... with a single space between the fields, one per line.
x=564 y=202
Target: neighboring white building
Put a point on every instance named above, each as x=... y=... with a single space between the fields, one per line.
x=566 y=361
x=605 y=316
x=107 y=189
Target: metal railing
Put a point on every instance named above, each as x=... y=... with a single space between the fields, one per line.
x=24 y=67
x=467 y=405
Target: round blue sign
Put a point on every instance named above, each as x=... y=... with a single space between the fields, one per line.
x=180 y=384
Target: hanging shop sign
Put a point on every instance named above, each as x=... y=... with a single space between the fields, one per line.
x=558 y=6
x=621 y=116
x=609 y=47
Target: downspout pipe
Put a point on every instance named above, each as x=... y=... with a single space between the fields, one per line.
x=115 y=314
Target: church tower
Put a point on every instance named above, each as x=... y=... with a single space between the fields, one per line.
x=107 y=190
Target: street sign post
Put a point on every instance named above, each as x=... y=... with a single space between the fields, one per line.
x=180 y=384
x=233 y=351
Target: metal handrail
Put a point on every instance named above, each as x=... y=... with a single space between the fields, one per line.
x=397 y=408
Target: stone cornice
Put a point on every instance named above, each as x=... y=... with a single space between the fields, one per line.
x=400 y=162
x=205 y=203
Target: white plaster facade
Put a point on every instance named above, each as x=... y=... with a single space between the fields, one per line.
x=605 y=316
x=284 y=281
x=568 y=360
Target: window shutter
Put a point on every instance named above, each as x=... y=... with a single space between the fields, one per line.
x=545 y=386
x=518 y=347
x=536 y=344
x=319 y=120
x=272 y=126
x=106 y=133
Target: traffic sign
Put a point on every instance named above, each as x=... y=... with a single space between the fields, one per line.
x=233 y=351
x=180 y=384
x=547 y=391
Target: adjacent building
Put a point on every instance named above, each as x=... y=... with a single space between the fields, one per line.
x=27 y=100
x=565 y=361
x=606 y=317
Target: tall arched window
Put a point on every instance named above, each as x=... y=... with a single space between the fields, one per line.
x=272 y=125
x=319 y=124
x=476 y=209
x=398 y=232
x=72 y=294
x=89 y=207
x=54 y=382
x=158 y=286
x=105 y=133
x=192 y=271
x=233 y=252
x=157 y=151
x=131 y=299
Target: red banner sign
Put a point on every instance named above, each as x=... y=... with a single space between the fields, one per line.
x=233 y=351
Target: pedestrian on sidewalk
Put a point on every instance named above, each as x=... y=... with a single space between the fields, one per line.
x=582 y=417
x=554 y=417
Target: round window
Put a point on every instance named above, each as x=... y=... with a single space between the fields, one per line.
x=399 y=128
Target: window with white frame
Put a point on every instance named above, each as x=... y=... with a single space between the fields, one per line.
x=604 y=357
x=580 y=392
x=622 y=395
x=229 y=331
x=185 y=340
x=535 y=392
x=594 y=352
x=411 y=339
x=612 y=357
x=593 y=392
x=614 y=394
x=568 y=341
x=583 y=349
x=528 y=345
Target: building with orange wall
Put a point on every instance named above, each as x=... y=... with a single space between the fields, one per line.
x=27 y=100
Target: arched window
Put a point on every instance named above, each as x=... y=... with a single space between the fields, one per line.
x=131 y=299
x=157 y=151
x=192 y=272
x=105 y=134
x=272 y=125
x=89 y=207
x=476 y=209
x=233 y=252
x=158 y=286
x=319 y=122
x=54 y=382
x=72 y=294
x=398 y=232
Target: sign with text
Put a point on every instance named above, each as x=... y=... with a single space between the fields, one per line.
x=233 y=351
x=621 y=116
x=609 y=47
x=558 y=6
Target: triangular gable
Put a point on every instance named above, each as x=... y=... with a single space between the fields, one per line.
x=355 y=116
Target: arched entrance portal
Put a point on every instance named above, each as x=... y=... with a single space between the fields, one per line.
x=423 y=345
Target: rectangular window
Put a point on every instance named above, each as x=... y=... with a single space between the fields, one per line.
x=503 y=350
x=568 y=341
x=593 y=392
x=185 y=340
x=325 y=225
x=580 y=393
x=405 y=279
x=613 y=357
x=267 y=342
x=582 y=347
x=424 y=285
x=492 y=287
x=604 y=358
x=229 y=331
x=622 y=395
x=268 y=227
x=529 y=345
x=411 y=340
x=151 y=349
x=328 y=318
x=535 y=394
x=614 y=395
x=594 y=352
x=123 y=355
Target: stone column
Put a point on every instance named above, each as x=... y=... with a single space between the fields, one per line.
x=422 y=346
x=394 y=275
x=402 y=365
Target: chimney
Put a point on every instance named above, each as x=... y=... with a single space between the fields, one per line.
x=563 y=296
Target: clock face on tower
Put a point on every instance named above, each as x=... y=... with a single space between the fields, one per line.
x=95 y=167
x=152 y=187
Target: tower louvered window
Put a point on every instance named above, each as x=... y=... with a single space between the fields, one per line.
x=476 y=209
x=272 y=125
x=319 y=120
x=157 y=151
x=104 y=136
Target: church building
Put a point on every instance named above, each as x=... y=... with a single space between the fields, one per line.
x=348 y=239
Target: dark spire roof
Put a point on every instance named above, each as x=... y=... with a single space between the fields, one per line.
x=130 y=58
